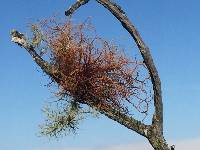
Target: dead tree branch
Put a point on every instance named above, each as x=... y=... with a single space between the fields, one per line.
x=154 y=132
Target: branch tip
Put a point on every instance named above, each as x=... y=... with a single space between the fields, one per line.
x=75 y=6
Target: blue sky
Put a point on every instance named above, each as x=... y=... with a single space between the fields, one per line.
x=171 y=30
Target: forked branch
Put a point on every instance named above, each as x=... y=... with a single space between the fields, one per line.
x=144 y=50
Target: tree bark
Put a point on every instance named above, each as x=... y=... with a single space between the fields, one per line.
x=158 y=142
x=156 y=139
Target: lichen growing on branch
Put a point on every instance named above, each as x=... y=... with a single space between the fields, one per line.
x=92 y=71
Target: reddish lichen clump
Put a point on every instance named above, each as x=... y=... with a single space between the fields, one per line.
x=92 y=70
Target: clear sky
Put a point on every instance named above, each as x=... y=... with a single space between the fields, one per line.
x=171 y=30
